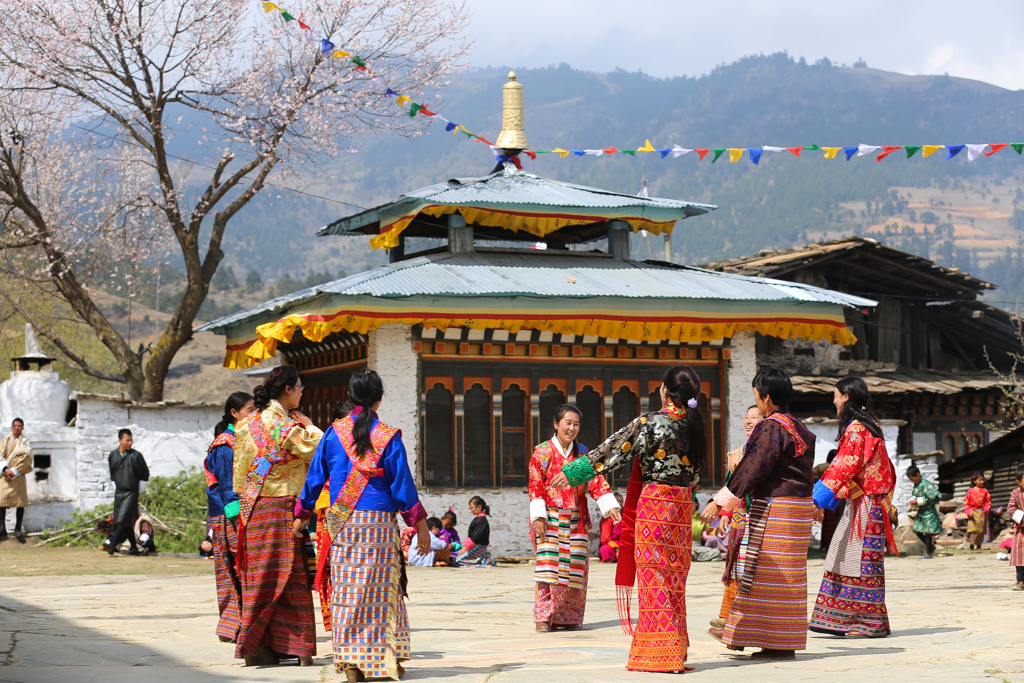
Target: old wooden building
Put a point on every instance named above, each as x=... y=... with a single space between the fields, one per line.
x=924 y=350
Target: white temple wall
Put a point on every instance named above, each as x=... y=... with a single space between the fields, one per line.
x=742 y=368
x=390 y=352
x=172 y=438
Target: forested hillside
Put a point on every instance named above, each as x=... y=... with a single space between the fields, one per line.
x=976 y=210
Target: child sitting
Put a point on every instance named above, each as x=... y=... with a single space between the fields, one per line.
x=440 y=553
x=448 y=532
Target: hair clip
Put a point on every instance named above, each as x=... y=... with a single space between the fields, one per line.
x=692 y=403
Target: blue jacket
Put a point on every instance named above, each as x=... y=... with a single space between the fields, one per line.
x=393 y=492
x=220 y=462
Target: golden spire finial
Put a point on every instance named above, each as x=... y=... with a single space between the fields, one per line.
x=512 y=137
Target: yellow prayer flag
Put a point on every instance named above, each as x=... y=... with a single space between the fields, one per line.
x=403 y=98
x=269 y=7
x=648 y=147
x=562 y=153
x=831 y=152
x=928 y=150
x=338 y=54
x=734 y=154
x=456 y=130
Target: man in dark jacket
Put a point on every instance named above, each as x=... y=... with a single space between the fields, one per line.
x=130 y=473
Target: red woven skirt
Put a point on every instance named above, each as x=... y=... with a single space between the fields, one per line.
x=229 y=598
x=664 y=516
x=277 y=600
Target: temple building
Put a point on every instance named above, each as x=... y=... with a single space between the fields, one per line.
x=478 y=344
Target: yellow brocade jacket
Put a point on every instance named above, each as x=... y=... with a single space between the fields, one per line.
x=284 y=479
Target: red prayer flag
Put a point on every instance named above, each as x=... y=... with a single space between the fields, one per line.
x=426 y=112
x=996 y=148
x=887 y=150
x=609 y=150
x=702 y=153
x=532 y=155
x=483 y=139
x=301 y=25
x=794 y=150
x=519 y=164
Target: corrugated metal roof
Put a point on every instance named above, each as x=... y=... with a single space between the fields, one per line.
x=545 y=275
x=504 y=190
x=903 y=381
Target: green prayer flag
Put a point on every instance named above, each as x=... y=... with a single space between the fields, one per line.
x=542 y=151
x=1017 y=146
x=911 y=149
x=358 y=61
x=287 y=17
x=812 y=148
x=413 y=108
x=630 y=152
x=718 y=152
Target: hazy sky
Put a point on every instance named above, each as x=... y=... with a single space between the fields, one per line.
x=980 y=39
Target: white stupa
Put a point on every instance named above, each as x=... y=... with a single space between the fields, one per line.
x=35 y=394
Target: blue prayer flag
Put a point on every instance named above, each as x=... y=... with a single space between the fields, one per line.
x=850 y=151
x=390 y=92
x=450 y=127
x=326 y=46
x=577 y=152
x=664 y=152
x=953 y=150
x=755 y=154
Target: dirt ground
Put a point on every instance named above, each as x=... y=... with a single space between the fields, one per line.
x=33 y=560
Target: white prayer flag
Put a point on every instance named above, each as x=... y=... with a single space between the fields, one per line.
x=867 y=149
x=594 y=152
x=773 y=149
x=975 y=151
x=678 y=151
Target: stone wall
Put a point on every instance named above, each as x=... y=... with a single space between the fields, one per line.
x=390 y=352
x=742 y=368
x=173 y=438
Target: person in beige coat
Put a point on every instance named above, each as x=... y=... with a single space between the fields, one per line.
x=16 y=460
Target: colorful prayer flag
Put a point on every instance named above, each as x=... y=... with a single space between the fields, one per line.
x=648 y=147
x=269 y=7
x=812 y=148
x=975 y=151
x=338 y=54
x=701 y=153
x=562 y=153
x=867 y=149
x=718 y=152
x=734 y=154
x=886 y=151
x=755 y=155
x=953 y=150
x=1017 y=146
x=911 y=149
x=830 y=152
x=609 y=150
x=678 y=151
x=996 y=148
x=287 y=17
x=849 y=152
x=795 y=150
x=326 y=46
x=928 y=150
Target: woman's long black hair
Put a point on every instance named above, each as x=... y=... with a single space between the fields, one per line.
x=236 y=401
x=682 y=384
x=364 y=389
x=856 y=407
x=279 y=379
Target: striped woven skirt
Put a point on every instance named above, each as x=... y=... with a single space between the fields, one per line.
x=852 y=599
x=976 y=527
x=277 y=602
x=229 y=589
x=663 y=539
x=738 y=524
x=477 y=556
x=370 y=626
x=560 y=577
x=770 y=608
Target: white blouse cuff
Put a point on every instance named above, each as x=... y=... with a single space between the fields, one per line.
x=607 y=503
x=538 y=509
x=725 y=500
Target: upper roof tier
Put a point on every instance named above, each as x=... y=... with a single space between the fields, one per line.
x=514 y=205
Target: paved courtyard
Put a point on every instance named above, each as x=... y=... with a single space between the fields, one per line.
x=954 y=619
